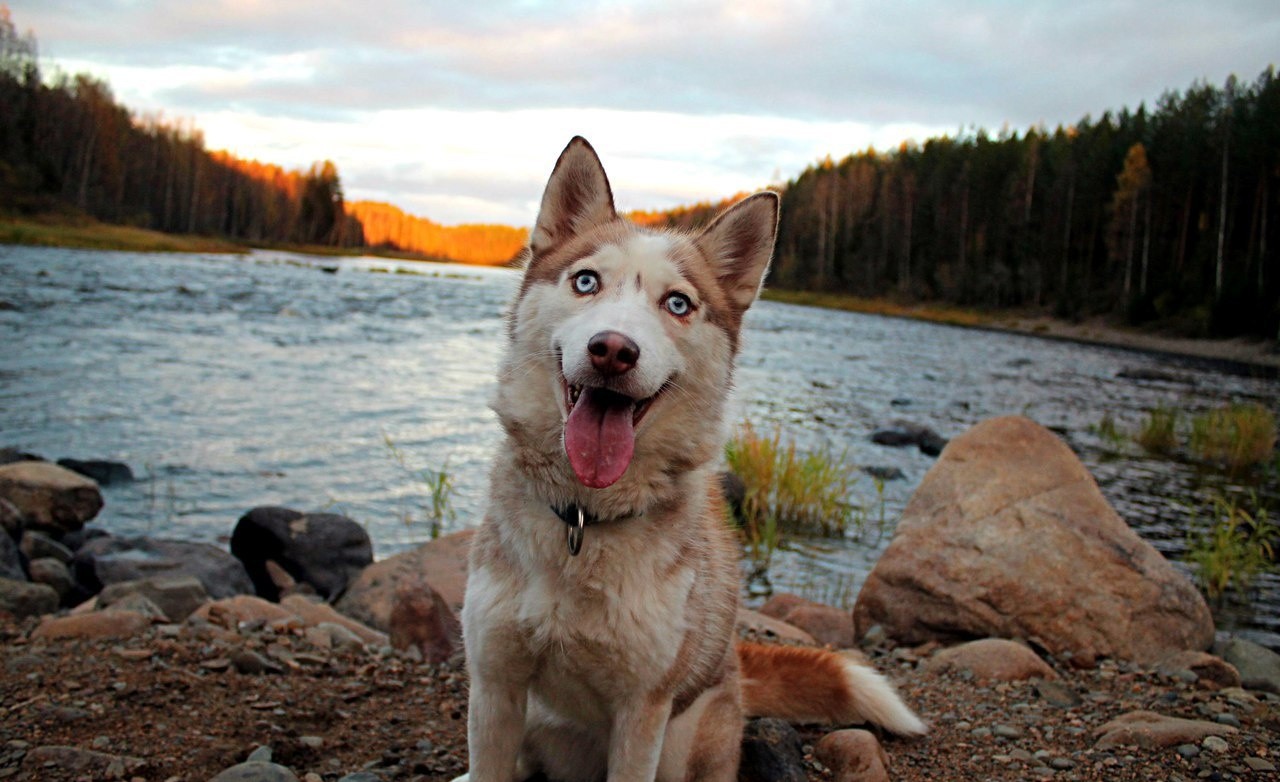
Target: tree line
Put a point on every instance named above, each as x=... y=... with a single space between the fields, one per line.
x=66 y=145
x=1165 y=216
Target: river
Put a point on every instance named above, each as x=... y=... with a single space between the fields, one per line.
x=328 y=384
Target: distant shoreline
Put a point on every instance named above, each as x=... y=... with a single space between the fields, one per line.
x=1237 y=355
x=84 y=233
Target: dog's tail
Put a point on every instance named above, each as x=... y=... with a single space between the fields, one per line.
x=800 y=684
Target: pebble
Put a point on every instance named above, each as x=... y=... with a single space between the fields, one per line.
x=1188 y=750
x=1215 y=744
x=1259 y=764
x=1227 y=718
x=1006 y=732
x=1061 y=764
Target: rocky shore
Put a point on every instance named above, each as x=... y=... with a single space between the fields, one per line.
x=294 y=656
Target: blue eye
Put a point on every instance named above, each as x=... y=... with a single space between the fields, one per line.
x=678 y=304
x=586 y=282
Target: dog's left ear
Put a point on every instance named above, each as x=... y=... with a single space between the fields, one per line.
x=577 y=197
x=739 y=244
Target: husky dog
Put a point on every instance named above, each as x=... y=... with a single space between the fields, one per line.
x=599 y=618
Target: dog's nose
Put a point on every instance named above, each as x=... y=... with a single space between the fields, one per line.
x=613 y=353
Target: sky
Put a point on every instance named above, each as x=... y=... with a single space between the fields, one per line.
x=457 y=110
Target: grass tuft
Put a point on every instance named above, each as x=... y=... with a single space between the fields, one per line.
x=1159 y=433
x=1233 y=548
x=1237 y=436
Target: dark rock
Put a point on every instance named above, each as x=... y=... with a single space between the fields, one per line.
x=49 y=496
x=76 y=540
x=52 y=572
x=37 y=545
x=104 y=472
x=11 y=560
x=900 y=433
x=422 y=620
x=256 y=771
x=1259 y=667
x=10 y=455
x=11 y=520
x=771 y=752
x=884 y=472
x=23 y=598
x=1008 y=536
x=325 y=550
x=110 y=560
x=176 y=597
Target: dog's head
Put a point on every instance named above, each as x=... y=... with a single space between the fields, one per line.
x=628 y=333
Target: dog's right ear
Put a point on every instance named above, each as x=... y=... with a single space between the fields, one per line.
x=577 y=198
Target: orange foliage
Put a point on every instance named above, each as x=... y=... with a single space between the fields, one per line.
x=686 y=218
x=389 y=227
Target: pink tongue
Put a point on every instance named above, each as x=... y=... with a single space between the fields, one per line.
x=599 y=437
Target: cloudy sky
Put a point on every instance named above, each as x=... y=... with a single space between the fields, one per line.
x=456 y=110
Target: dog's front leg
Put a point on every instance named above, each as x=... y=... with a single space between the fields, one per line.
x=635 y=742
x=495 y=727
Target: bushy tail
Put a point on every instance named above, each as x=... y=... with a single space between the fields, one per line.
x=800 y=684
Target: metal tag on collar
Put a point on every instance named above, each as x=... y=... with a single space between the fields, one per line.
x=575 y=534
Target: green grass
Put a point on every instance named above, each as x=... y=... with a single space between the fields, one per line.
x=1159 y=432
x=1109 y=430
x=1237 y=436
x=802 y=493
x=437 y=508
x=1233 y=548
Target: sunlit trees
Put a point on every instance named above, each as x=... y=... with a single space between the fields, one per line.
x=1167 y=215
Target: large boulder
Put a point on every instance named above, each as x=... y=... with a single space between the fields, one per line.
x=1008 y=536
x=110 y=560
x=325 y=550
x=441 y=563
x=49 y=496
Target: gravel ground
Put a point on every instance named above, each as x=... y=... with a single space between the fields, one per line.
x=186 y=702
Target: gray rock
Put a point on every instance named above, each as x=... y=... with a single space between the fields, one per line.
x=175 y=596
x=255 y=771
x=140 y=604
x=36 y=544
x=54 y=573
x=1259 y=667
x=771 y=752
x=110 y=560
x=103 y=471
x=324 y=550
x=23 y=598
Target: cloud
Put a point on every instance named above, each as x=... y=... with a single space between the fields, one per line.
x=694 y=96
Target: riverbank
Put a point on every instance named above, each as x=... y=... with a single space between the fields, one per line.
x=1097 y=331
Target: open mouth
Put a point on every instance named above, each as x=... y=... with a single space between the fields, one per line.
x=599 y=433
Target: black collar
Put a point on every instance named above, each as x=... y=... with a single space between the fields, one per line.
x=578 y=520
